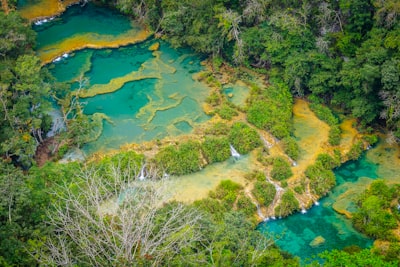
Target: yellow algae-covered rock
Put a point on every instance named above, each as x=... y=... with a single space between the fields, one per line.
x=319 y=240
x=115 y=84
x=45 y=8
x=90 y=40
x=154 y=47
x=348 y=136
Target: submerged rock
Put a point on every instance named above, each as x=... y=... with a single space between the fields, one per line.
x=154 y=47
x=319 y=240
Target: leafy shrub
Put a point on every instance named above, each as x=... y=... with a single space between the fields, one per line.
x=371 y=139
x=291 y=147
x=334 y=135
x=245 y=205
x=280 y=169
x=218 y=128
x=355 y=151
x=181 y=160
x=299 y=189
x=327 y=161
x=272 y=110
x=213 y=99
x=288 y=204
x=243 y=138
x=216 y=149
x=256 y=175
x=324 y=113
x=321 y=179
x=264 y=192
x=265 y=116
x=226 y=112
x=227 y=192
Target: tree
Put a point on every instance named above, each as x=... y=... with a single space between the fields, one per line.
x=117 y=221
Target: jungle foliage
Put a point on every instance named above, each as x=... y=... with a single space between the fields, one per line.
x=343 y=53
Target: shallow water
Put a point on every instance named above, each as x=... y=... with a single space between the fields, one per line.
x=88 y=26
x=153 y=96
x=145 y=94
x=295 y=233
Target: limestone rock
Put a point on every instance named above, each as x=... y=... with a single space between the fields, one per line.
x=319 y=240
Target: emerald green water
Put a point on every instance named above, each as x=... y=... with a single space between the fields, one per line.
x=165 y=100
x=295 y=233
x=78 y=20
x=161 y=100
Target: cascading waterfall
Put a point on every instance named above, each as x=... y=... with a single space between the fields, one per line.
x=142 y=173
x=278 y=195
x=234 y=153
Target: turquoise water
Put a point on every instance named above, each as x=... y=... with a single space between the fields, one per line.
x=158 y=96
x=295 y=233
x=79 y=20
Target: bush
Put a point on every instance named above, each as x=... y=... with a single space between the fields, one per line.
x=272 y=110
x=355 y=151
x=291 y=147
x=226 y=112
x=280 y=169
x=327 y=161
x=182 y=160
x=227 y=192
x=255 y=175
x=244 y=138
x=245 y=205
x=213 y=99
x=264 y=192
x=321 y=179
x=288 y=204
x=216 y=149
x=218 y=128
x=371 y=139
x=334 y=135
x=324 y=114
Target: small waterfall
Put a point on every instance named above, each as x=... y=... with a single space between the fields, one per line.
x=260 y=213
x=303 y=211
x=316 y=203
x=278 y=195
x=141 y=175
x=266 y=143
x=58 y=123
x=277 y=187
x=234 y=153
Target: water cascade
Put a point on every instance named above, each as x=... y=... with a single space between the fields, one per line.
x=142 y=173
x=265 y=142
x=234 y=153
x=278 y=195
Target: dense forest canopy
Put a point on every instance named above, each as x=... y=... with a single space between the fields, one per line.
x=342 y=53
x=345 y=54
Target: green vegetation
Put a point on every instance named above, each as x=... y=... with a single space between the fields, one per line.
x=373 y=216
x=264 y=192
x=361 y=258
x=226 y=112
x=216 y=149
x=326 y=115
x=271 y=109
x=288 y=204
x=355 y=151
x=291 y=147
x=321 y=178
x=280 y=169
x=179 y=160
x=243 y=137
x=343 y=54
